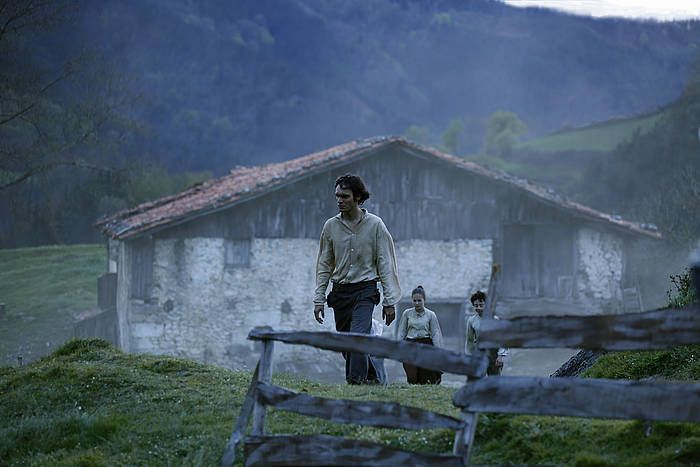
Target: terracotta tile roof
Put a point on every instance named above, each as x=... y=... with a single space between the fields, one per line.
x=246 y=182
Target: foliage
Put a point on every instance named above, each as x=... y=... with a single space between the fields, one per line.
x=680 y=363
x=418 y=134
x=450 y=137
x=63 y=206
x=681 y=292
x=58 y=107
x=210 y=85
x=655 y=176
x=503 y=132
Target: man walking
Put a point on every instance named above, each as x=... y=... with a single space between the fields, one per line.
x=355 y=252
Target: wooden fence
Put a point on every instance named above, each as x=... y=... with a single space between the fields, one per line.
x=587 y=397
x=262 y=449
x=616 y=399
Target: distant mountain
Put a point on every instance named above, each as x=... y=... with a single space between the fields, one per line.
x=253 y=81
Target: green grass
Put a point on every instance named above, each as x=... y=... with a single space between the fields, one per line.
x=601 y=137
x=43 y=288
x=678 y=364
x=91 y=404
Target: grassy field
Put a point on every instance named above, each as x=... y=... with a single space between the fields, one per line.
x=90 y=404
x=601 y=137
x=43 y=289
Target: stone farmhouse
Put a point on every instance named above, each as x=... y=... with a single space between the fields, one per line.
x=192 y=273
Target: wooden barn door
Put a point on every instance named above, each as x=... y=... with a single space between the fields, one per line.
x=519 y=262
x=555 y=258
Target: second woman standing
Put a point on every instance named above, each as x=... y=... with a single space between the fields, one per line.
x=419 y=324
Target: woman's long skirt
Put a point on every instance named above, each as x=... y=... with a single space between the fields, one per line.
x=418 y=375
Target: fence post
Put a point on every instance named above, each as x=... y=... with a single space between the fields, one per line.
x=491 y=293
x=265 y=376
x=464 y=438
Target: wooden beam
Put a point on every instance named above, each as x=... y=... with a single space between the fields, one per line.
x=264 y=377
x=464 y=438
x=491 y=294
x=369 y=413
x=581 y=397
x=229 y=456
x=636 y=331
x=422 y=355
x=332 y=450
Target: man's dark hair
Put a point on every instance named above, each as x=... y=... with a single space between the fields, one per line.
x=354 y=184
x=478 y=295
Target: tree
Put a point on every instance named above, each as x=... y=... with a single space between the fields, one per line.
x=53 y=108
x=503 y=131
x=418 y=134
x=450 y=137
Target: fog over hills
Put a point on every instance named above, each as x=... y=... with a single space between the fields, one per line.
x=245 y=82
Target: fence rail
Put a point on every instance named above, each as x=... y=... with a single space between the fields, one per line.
x=581 y=397
x=636 y=331
x=368 y=413
x=422 y=355
x=333 y=450
x=594 y=398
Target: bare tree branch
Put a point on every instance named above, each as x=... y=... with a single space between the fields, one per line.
x=40 y=92
x=41 y=169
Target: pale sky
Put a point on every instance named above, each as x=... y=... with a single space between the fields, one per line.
x=661 y=10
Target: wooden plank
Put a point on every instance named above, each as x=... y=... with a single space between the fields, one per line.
x=649 y=330
x=332 y=450
x=581 y=397
x=422 y=355
x=229 y=456
x=369 y=413
x=490 y=305
x=464 y=438
x=107 y=291
x=264 y=377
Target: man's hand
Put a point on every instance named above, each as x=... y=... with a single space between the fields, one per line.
x=388 y=314
x=319 y=313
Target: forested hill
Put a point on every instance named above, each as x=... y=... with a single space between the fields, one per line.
x=104 y=105
x=225 y=83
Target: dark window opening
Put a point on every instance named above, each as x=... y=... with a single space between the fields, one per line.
x=141 y=268
x=237 y=253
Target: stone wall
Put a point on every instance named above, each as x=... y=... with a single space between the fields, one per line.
x=447 y=270
x=203 y=308
x=600 y=264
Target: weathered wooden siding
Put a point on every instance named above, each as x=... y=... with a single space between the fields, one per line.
x=416 y=198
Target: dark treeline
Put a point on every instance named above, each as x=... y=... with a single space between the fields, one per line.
x=107 y=104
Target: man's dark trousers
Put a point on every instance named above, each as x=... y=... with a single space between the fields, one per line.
x=353 y=305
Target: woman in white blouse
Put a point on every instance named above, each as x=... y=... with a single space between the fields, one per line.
x=419 y=324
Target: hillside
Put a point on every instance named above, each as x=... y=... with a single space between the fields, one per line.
x=44 y=290
x=167 y=87
x=249 y=82
x=600 y=137
x=90 y=404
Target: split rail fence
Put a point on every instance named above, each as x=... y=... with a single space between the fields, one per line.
x=577 y=397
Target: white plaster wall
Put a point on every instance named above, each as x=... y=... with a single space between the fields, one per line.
x=599 y=264
x=445 y=269
x=204 y=310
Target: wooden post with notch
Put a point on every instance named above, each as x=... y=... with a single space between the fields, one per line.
x=265 y=376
